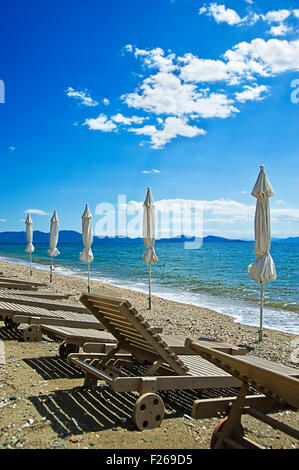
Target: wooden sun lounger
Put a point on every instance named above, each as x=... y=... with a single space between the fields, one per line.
x=35 y=294
x=21 y=281
x=14 y=314
x=40 y=302
x=103 y=342
x=278 y=383
x=138 y=345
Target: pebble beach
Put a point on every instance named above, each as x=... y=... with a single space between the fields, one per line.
x=43 y=403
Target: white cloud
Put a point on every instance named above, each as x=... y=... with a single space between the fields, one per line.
x=81 y=96
x=152 y=172
x=155 y=58
x=172 y=127
x=106 y=101
x=2 y=220
x=165 y=93
x=252 y=93
x=101 y=123
x=11 y=148
x=202 y=70
x=36 y=211
x=280 y=30
x=174 y=98
x=277 y=16
x=265 y=58
x=221 y=14
x=128 y=48
x=119 y=118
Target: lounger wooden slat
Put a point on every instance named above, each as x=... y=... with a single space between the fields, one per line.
x=22 y=281
x=14 y=286
x=35 y=294
x=44 y=303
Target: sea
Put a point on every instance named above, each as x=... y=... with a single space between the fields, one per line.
x=214 y=276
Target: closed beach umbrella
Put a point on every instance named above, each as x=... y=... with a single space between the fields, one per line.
x=29 y=235
x=149 y=229
x=86 y=256
x=54 y=230
x=263 y=269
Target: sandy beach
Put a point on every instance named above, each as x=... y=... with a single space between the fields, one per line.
x=43 y=403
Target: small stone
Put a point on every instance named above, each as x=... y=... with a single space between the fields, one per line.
x=73 y=439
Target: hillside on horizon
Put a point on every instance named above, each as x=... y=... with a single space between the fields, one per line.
x=71 y=236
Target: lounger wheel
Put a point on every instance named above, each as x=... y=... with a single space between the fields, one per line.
x=219 y=428
x=149 y=411
x=10 y=324
x=65 y=349
x=32 y=333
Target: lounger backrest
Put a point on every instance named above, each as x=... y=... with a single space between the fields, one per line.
x=132 y=331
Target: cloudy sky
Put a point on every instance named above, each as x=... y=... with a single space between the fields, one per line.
x=189 y=97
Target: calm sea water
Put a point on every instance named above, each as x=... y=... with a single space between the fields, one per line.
x=213 y=276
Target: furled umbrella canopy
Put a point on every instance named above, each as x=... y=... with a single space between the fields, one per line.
x=86 y=255
x=29 y=235
x=54 y=231
x=149 y=234
x=263 y=269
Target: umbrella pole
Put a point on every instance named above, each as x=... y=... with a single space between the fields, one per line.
x=149 y=288
x=261 y=313
x=30 y=262
x=88 y=287
x=51 y=269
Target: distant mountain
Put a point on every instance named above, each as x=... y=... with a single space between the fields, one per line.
x=71 y=236
x=286 y=240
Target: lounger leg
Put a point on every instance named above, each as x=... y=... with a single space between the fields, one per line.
x=10 y=324
x=232 y=426
x=90 y=381
x=66 y=348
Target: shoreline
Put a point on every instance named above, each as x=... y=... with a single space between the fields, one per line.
x=167 y=296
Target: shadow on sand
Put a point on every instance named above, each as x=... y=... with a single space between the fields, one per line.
x=78 y=411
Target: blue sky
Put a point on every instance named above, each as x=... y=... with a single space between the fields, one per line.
x=185 y=96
